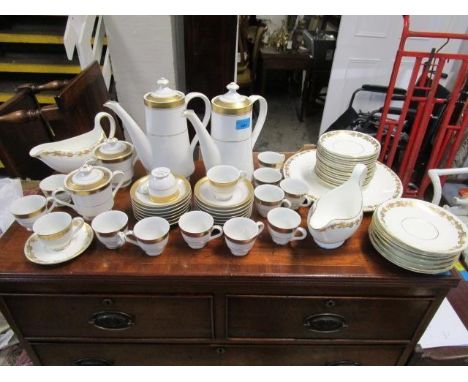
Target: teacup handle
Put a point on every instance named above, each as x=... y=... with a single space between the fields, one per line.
x=302 y=234
x=243 y=174
x=121 y=236
x=116 y=188
x=128 y=238
x=306 y=202
x=285 y=203
x=260 y=226
x=52 y=205
x=61 y=202
x=216 y=235
x=77 y=222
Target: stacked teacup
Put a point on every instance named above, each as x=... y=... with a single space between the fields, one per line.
x=224 y=193
x=339 y=151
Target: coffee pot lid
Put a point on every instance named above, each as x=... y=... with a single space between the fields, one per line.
x=88 y=178
x=163 y=97
x=113 y=150
x=231 y=102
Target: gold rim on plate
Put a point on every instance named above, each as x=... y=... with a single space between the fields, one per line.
x=182 y=195
x=202 y=181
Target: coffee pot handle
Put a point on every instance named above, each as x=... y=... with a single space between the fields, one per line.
x=206 y=117
x=61 y=202
x=101 y=115
x=261 y=117
x=116 y=188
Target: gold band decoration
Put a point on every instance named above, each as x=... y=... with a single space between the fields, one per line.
x=152 y=241
x=196 y=234
x=281 y=230
x=236 y=241
x=31 y=214
x=231 y=108
x=56 y=235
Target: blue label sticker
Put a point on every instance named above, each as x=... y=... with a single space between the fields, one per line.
x=242 y=123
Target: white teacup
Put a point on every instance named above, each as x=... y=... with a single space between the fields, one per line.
x=240 y=234
x=150 y=234
x=223 y=180
x=283 y=225
x=197 y=228
x=28 y=209
x=266 y=175
x=51 y=183
x=295 y=191
x=271 y=159
x=110 y=228
x=56 y=229
x=268 y=197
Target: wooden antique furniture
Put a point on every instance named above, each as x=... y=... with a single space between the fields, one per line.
x=271 y=59
x=291 y=305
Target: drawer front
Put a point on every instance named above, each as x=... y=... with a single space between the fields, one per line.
x=316 y=318
x=113 y=316
x=149 y=354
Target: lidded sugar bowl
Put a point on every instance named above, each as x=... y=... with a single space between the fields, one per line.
x=92 y=189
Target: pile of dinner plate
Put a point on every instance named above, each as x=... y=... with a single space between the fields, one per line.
x=417 y=235
x=240 y=204
x=340 y=150
x=143 y=206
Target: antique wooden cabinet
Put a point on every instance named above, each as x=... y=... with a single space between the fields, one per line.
x=293 y=305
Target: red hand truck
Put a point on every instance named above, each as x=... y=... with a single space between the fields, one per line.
x=426 y=74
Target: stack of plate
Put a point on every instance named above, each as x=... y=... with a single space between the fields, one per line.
x=339 y=151
x=417 y=235
x=171 y=210
x=240 y=204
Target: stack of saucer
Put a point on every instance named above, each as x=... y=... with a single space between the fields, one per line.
x=171 y=209
x=239 y=205
x=339 y=151
x=417 y=235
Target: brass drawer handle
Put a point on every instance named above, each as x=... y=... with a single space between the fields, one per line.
x=343 y=363
x=112 y=320
x=93 y=362
x=325 y=323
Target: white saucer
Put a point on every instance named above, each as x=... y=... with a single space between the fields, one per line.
x=37 y=253
x=243 y=193
x=138 y=194
x=385 y=184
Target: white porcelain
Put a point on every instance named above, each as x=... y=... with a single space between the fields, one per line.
x=114 y=154
x=69 y=154
x=240 y=234
x=91 y=189
x=28 y=209
x=162 y=184
x=232 y=135
x=197 y=228
x=267 y=197
x=223 y=180
x=110 y=227
x=139 y=193
x=338 y=214
x=53 y=182
x=385 y=184
x=352 y=144
x=295 y=191
x=55 y=230
x=266 y=175
x=165 y=141
x=150 y=234
x=271 y=159
x=283 y=226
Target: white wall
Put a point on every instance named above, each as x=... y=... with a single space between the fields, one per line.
x=366 y=49
x=141 y=50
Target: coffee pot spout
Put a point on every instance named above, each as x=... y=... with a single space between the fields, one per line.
x=210 y=152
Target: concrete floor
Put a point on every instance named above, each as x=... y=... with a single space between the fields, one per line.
x=282 y=130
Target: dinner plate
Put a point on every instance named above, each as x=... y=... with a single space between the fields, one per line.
x=349 y=144
x=36 y=252
x=223 y=213
x=385 y=184
x=423 y=226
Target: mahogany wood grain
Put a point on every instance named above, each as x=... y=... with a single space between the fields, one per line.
x=148 y=354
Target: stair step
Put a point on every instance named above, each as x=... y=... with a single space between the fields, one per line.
x=38 y=63
x=42 y=98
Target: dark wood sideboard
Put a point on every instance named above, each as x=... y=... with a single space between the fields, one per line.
x=293 y=305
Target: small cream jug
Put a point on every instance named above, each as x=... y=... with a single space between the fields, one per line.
x=232 y=134
x=337 y=215
x=91 y=190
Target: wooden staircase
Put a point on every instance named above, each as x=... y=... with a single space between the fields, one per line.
x=32 y=51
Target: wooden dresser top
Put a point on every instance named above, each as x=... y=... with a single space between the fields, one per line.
x=355 y=261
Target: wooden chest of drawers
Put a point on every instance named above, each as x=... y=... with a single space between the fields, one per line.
x=293 y=305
